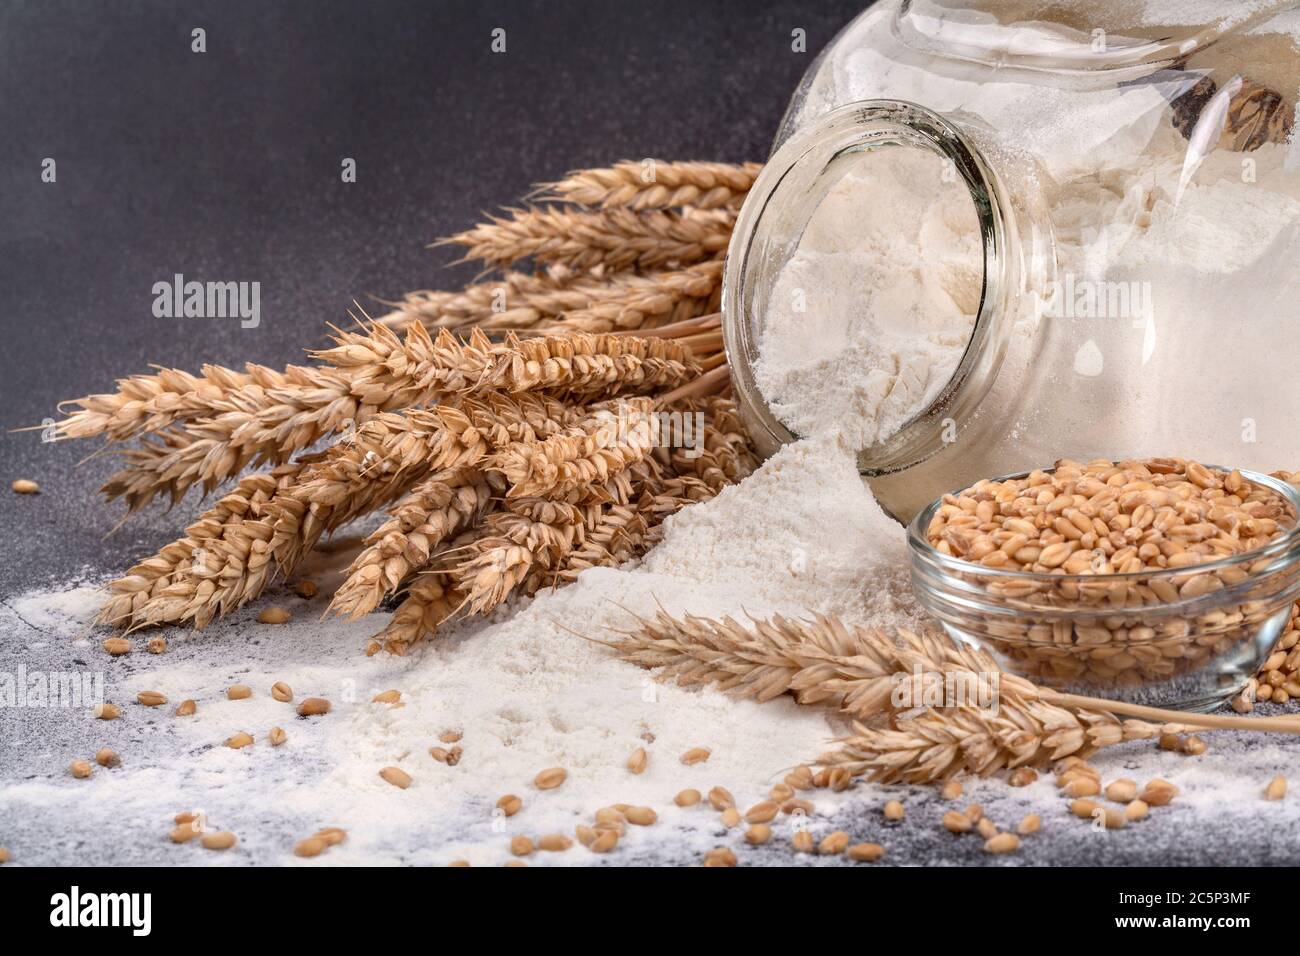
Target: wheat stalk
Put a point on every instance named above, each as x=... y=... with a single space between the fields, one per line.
x=240 y=555
x=615 y=239
x=822 y=660
x=697 y=184
x=375 y=372
x=944 y=744
x=561 y=302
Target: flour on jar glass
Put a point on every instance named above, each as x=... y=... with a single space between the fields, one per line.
x=870 y=316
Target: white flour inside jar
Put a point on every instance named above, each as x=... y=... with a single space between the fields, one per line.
x=870 y=316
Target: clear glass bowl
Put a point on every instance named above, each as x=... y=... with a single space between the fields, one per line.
x=1186 y=638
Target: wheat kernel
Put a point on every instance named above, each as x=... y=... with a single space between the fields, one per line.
x=731 y=818
x=1002 y=843
x=222 y=840
x=637 y=762
x=1276 y=789
x=450 y=736
x=312 y=846
x=1136 y=810
x=186 y=708
x=239 y=740
x=107 y=758
x=894 y=811
x=117 y=646
x=25 y=486
x=183 y=833
x=781 y=793
x=1158 y=793
x=239 y=692
x=764 y=812
x=306 y=588
x=695 y=755
x=273 y=615
x=641 y=816
x=987 y=828
x=866 y=852
x=802 y=841
x=80 y=769
x=833 y=843
x=156 y=645
x=1083 y=809
x=521 y=845
x=550 y=778
x=396 y=776
x=687 y=798
x=276 y=736
x=720 y=856
x=509 y=804
x=333 y=836
x=554 y=843
x=1194 y=746
x=605 y=841
x=951 y=790
x=720 y=798
x=758 y=834
x=1022 y=776
x=1030 y=824
x=106 y=712
x=387 y=697
x=282 y=692
x=150 y=698
x=313 y=707
x=1081 y=787
x=1122 y=790
x=955 y=822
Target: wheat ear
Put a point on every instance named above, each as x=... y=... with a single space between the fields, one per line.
x=615 y=239
x=562 y=302
x=432 y=513
x=236 y=559
x=145 y=582
x=656 y=185
x=603 y=445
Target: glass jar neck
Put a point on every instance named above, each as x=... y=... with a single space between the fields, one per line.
x=783 y=199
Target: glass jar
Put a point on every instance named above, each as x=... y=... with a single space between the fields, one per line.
x=1137 y=203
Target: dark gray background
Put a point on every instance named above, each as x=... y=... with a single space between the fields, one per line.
x=225 y=166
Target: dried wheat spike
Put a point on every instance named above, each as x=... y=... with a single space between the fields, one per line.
x=384 y=372
x=606 y=443
x=559 y=300
x=942 y=744
x=817 y=661
x=432 y=513
x=615 y=238
x=146 y=581
x=427 y=604
x=573 y=365
x=722 y=454
x=512 y=550
x=240 y=556
x=698 y=184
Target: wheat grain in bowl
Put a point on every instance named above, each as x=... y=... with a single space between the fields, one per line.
x=1161 y=580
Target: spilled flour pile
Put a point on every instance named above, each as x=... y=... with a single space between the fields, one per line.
x=525 y=693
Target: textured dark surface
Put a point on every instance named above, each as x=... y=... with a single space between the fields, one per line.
x=225 y=166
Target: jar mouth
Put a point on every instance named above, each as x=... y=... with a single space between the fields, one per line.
x=767 y=233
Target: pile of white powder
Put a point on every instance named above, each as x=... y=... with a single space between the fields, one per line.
x=870 y=316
